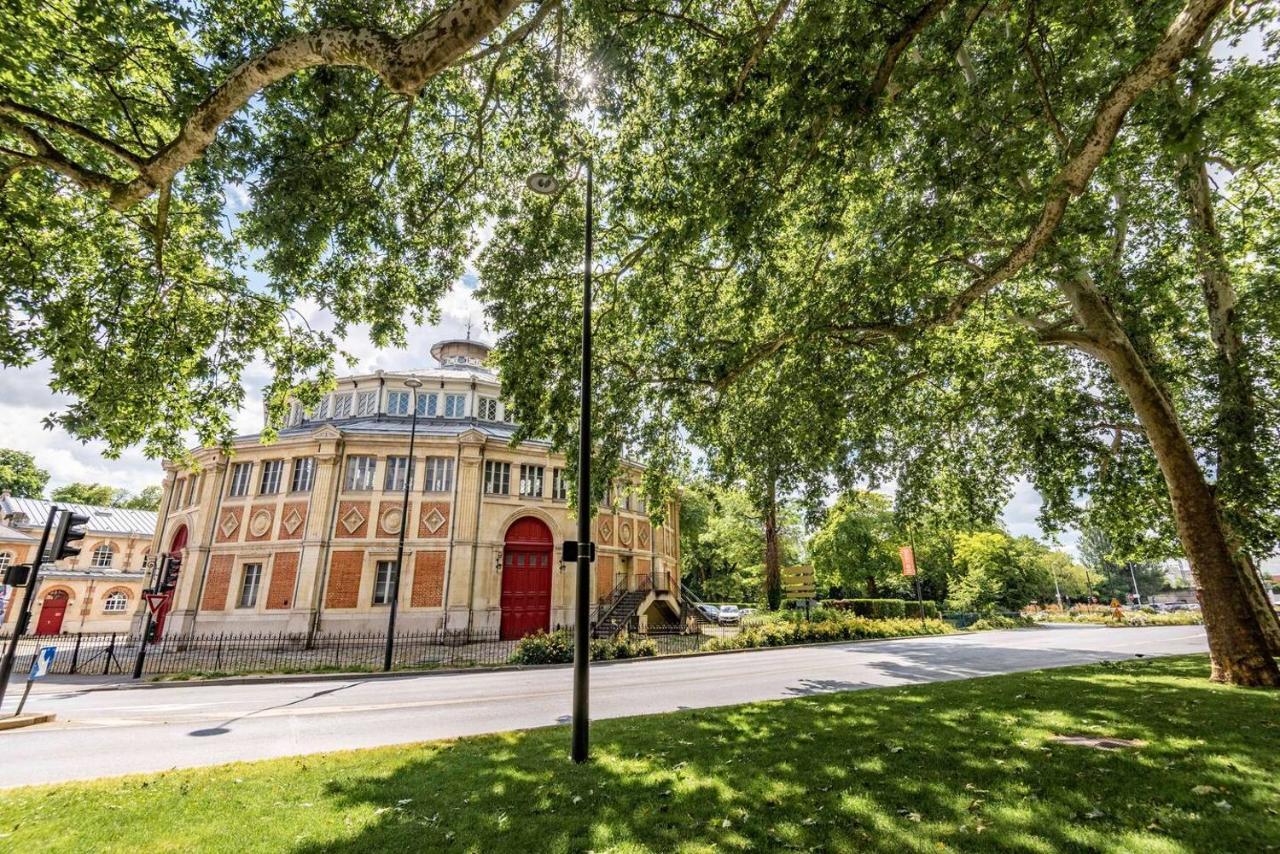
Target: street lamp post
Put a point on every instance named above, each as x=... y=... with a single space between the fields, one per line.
x=404 y=523
x=549 y=185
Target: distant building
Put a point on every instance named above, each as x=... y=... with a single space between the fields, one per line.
x=97 y=591
x=301 y=534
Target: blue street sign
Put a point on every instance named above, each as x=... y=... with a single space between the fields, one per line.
x=42 y=662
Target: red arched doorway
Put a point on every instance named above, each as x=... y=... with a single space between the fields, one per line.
x=526 y=578
x=52 y=612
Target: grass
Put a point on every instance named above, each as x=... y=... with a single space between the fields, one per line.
x=964 y=765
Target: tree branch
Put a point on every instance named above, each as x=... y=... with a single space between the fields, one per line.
x=516 y=35
x=10 y=107
x=762 y=39
x=403 y=65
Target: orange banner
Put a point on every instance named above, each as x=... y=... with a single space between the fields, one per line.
x=908 y=560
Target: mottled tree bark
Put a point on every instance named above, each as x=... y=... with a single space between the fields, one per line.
x=1239 y=634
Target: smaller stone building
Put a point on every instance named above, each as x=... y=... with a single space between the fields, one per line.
x=100 y=589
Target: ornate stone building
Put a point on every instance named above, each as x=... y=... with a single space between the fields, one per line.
x=300 y=535
x=97 y=590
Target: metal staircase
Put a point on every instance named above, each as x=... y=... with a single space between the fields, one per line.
x=619 y=616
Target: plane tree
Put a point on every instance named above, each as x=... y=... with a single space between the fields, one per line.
x=982 y=229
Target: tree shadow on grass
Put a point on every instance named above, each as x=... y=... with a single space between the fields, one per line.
x=965 y=765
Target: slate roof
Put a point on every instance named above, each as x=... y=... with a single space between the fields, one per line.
x=102 y=520
x=7 y=533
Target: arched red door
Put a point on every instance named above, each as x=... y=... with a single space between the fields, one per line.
x=52 y=612
x=526 y=578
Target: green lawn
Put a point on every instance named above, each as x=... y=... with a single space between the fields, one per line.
x=956 y=766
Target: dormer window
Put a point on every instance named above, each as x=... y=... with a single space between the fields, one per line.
x=427 y=405
x=322 y=409
x=488 y=409
x=366 y=404
x=342 y=406
x=455 y=406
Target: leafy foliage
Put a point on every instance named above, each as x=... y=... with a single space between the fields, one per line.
x=19 y=474
x=102 y=495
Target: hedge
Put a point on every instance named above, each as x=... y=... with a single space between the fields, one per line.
x=885 y=609
x=557 y=648
x=829 y=627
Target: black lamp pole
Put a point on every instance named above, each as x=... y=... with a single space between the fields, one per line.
x=582 y=616
x=549 y=185
x=404 y=524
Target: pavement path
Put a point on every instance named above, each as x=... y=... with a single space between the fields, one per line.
x=154 y=728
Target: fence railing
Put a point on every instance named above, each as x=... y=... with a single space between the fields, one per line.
x=112 y=654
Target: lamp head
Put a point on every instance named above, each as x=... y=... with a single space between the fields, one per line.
x=412 y=383
x=543 y=184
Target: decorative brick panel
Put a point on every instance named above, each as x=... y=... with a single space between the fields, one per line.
x=217 y=583
x=604 y=577
x=345 y=569
x=433 y=519
x=284 y=572
x=261 y=520
x=229 y=525
x=428 y=580
x=389 y=513
x=605 y=525
x=293 y=520
x=644 y=535
x=353 y=520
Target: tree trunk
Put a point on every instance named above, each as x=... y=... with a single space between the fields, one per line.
x=772 y=569
x=1239 y=643
x=1240 y=480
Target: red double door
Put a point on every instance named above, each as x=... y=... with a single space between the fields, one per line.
x=526 y=579
x=52 y=611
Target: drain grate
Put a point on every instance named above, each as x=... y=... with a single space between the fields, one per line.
x=1098 y=743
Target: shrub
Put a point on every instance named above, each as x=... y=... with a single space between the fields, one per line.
x=557 y=648
x=1000 y=621
x=930 y=609
x=875 y=609
x=831 y=626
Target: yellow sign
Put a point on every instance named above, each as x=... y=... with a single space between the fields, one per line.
x=797 y=582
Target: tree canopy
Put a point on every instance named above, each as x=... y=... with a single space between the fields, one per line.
x=19 y=474
x=103 y=495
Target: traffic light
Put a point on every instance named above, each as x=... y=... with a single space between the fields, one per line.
x=70 y=530
x=17 y=575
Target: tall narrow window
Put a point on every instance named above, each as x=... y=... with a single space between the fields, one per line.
x=342 y=406
x=271 y=473
x=488 y=409
x=439 y=474
x=360 y=472
x=366 y=404
x=455 y=406
x=531 y=481
x=397 y=473
x=240 y=474
x=508 y=414
x=559 y=486
x=304 y=474
x=427 y=405
x=6 y=558
x=322 y=409
x=249 y=585
x=191 y=489
x=382 y=582
x=497 y=478
x=398 y=403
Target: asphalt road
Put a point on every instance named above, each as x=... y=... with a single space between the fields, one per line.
x=109 y=732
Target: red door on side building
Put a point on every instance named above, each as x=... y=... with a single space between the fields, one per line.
x=526 y=579
x=52 y=612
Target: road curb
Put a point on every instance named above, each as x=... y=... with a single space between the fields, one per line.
x=29 y=719
x=289 y=678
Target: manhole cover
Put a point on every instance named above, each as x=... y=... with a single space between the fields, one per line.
x=1098 y=743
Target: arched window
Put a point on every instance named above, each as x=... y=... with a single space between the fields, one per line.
x=102 y=557
x=115 y=603
x=6 y=558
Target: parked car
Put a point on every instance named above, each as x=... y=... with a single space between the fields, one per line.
x=747 y=612
x=710 y=612
x=729 y=615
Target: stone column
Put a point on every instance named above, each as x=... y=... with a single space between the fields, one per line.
x=200 y=533
x=314 y=557
x=466 y=559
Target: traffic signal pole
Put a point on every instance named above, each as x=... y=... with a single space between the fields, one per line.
x=24 y=612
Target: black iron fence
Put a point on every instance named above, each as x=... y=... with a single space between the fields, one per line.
x=111 y=654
